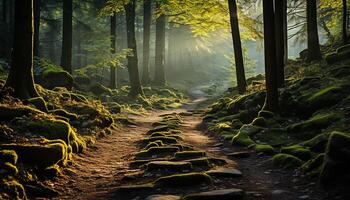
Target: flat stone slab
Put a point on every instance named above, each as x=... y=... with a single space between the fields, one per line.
x=227 y=194
x=157 y=152
x=183 y=180
x=224 y=173
x=133 y=189
x=241 y=154
x=163 y=197
x=189 y=154
x=169 y=166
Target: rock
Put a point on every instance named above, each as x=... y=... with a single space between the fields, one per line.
x=241 y=154
x=164 y=139
x=259 y=121
x=217 y=161
x=325 y=97
x=8 y=113
x=286 y=161
x=342 y=53
x=163 y=197
x=266 y=114
x=183 y=180
x=189 y=155
x=313 y=166
x=39 y=103
x=133 y=190
x=8 y=169
x=168 y=166
x=39 y=190
x=226 y=194
x=199 y=162
x=99 y=89
x=316 y=122
x=224 y=173
x=242 y=138
x=157 y=152
x=318 y=143
x=297 y=151
x=11 y=189
x=264 y=149
x=55 y=78
x=159 y=129
x=64 y=113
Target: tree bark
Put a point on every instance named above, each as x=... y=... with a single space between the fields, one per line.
x=314 y=51
x=147 y=17
x=280 y=40
x=240 y=74
x=135 y=84
x=4 y=11
x=37 y=12
x=285 y=31
x=20 y=77
x=271 y=101
x=66 y=57
x=345 y=22
x=159 y=78
x=113 y=49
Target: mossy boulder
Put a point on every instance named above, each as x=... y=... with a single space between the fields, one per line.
x=41 y=156
x=183 y=180
x=342 y=53
x=250 y=130
x=39 y=103
x=242 y=138
x=325 y=97
x=65 y=113
x=8 y=169
x=264 y=149
x=313 y=167
x=259 y=121
x=99 y=89
x=318 y=143
x=266 y=114
x=8 y=156
x=164 y=139
x=336 y=164
x=286 y=161
x=297 y=151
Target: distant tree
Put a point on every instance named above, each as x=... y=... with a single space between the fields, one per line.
x=271 y=102
x=236 y=37
x=280 y=14
x=345 y=22
x=134 y=78
x=20 y=77
x=147 y=17
x=159 y=78
x=66 y=57
x=113 y=48
x=314 y=51
x=37 y=12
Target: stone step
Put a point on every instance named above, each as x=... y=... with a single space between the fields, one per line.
x=241 y=154
x=183 y=180
x=168 y=166
x=224 y=173
x=189 y=155
x=163 y=197
x=156 y=152
x=226 y=194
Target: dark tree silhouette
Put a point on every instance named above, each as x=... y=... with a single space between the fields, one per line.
x=113 y=48
x=159 y=78
x=147 y=17
x=37 y=12
x=271 y=102
x=66 y=57
x=240 y=74
x=280 y=40
x=20 y=77
x=4 y=11
x=313 y=44
x=134 y=77
x=345 y=22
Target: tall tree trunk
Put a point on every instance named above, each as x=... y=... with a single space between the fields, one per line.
x=20 y=77
x=78 y=46
x=280 y=40
x=236 y=37
x=345 y=22
x=271 y=102
x=159 y=78
x=314 y=51
x=66 y=57
x=4 y=11
x=133 y=70
x=37 y=12
x=113 y=49
x=147 y=17
x=285 y=30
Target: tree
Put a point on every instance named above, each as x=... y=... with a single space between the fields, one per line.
x=236 y=37
x=345 y=22
x=280 y=14
x=66 y=57
x=113 y=48
x=135 y=84
x=271 y=101
x=37 y=12
x=4 y=11
x=159 y=78
x=20 y=77
x=314 y=51
x=147 y=17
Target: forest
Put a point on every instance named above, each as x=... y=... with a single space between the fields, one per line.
x=175 y=99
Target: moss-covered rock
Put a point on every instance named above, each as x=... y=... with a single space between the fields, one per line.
x=183 y=155
x=8 y=169
x=157 y=152
x=318 y=143
x=151 y=144
x=183 y=180
x=313 y=166
x=165 y=140
x=264 y=149
x=259 y=121
x=64 y=113
x=42 y=156
x=9 y=112
x=242 y=138
x=336 y=164
x=169 y=166
x=250 y=130
x=266 y=114
x=286 y=161
x=99 y=89
x=297 y=151
x=39 y=103
x=325 y=97
x=8 y=156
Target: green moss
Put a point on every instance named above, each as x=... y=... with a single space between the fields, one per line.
x=38 y=103
x=99 y=89
x=199 y=162
x=317 y=143
x=286 y=161
x=151 y=144
x=297 y=151
x=8 y=156
x=160 y=129
x=220 y=127
x=183 y=180
x=64 y=113
x=242 y=138
x=165 y=140
x=264 y=149
x=168 y=166
x=259 y=121
x=42 y=156
x=313 y=166
x=189 y=155
x=316 y=122
x=325 y=97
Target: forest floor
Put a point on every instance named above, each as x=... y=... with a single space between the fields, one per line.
x=99 y=171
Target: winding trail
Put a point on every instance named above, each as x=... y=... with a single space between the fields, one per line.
x=97 y=172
